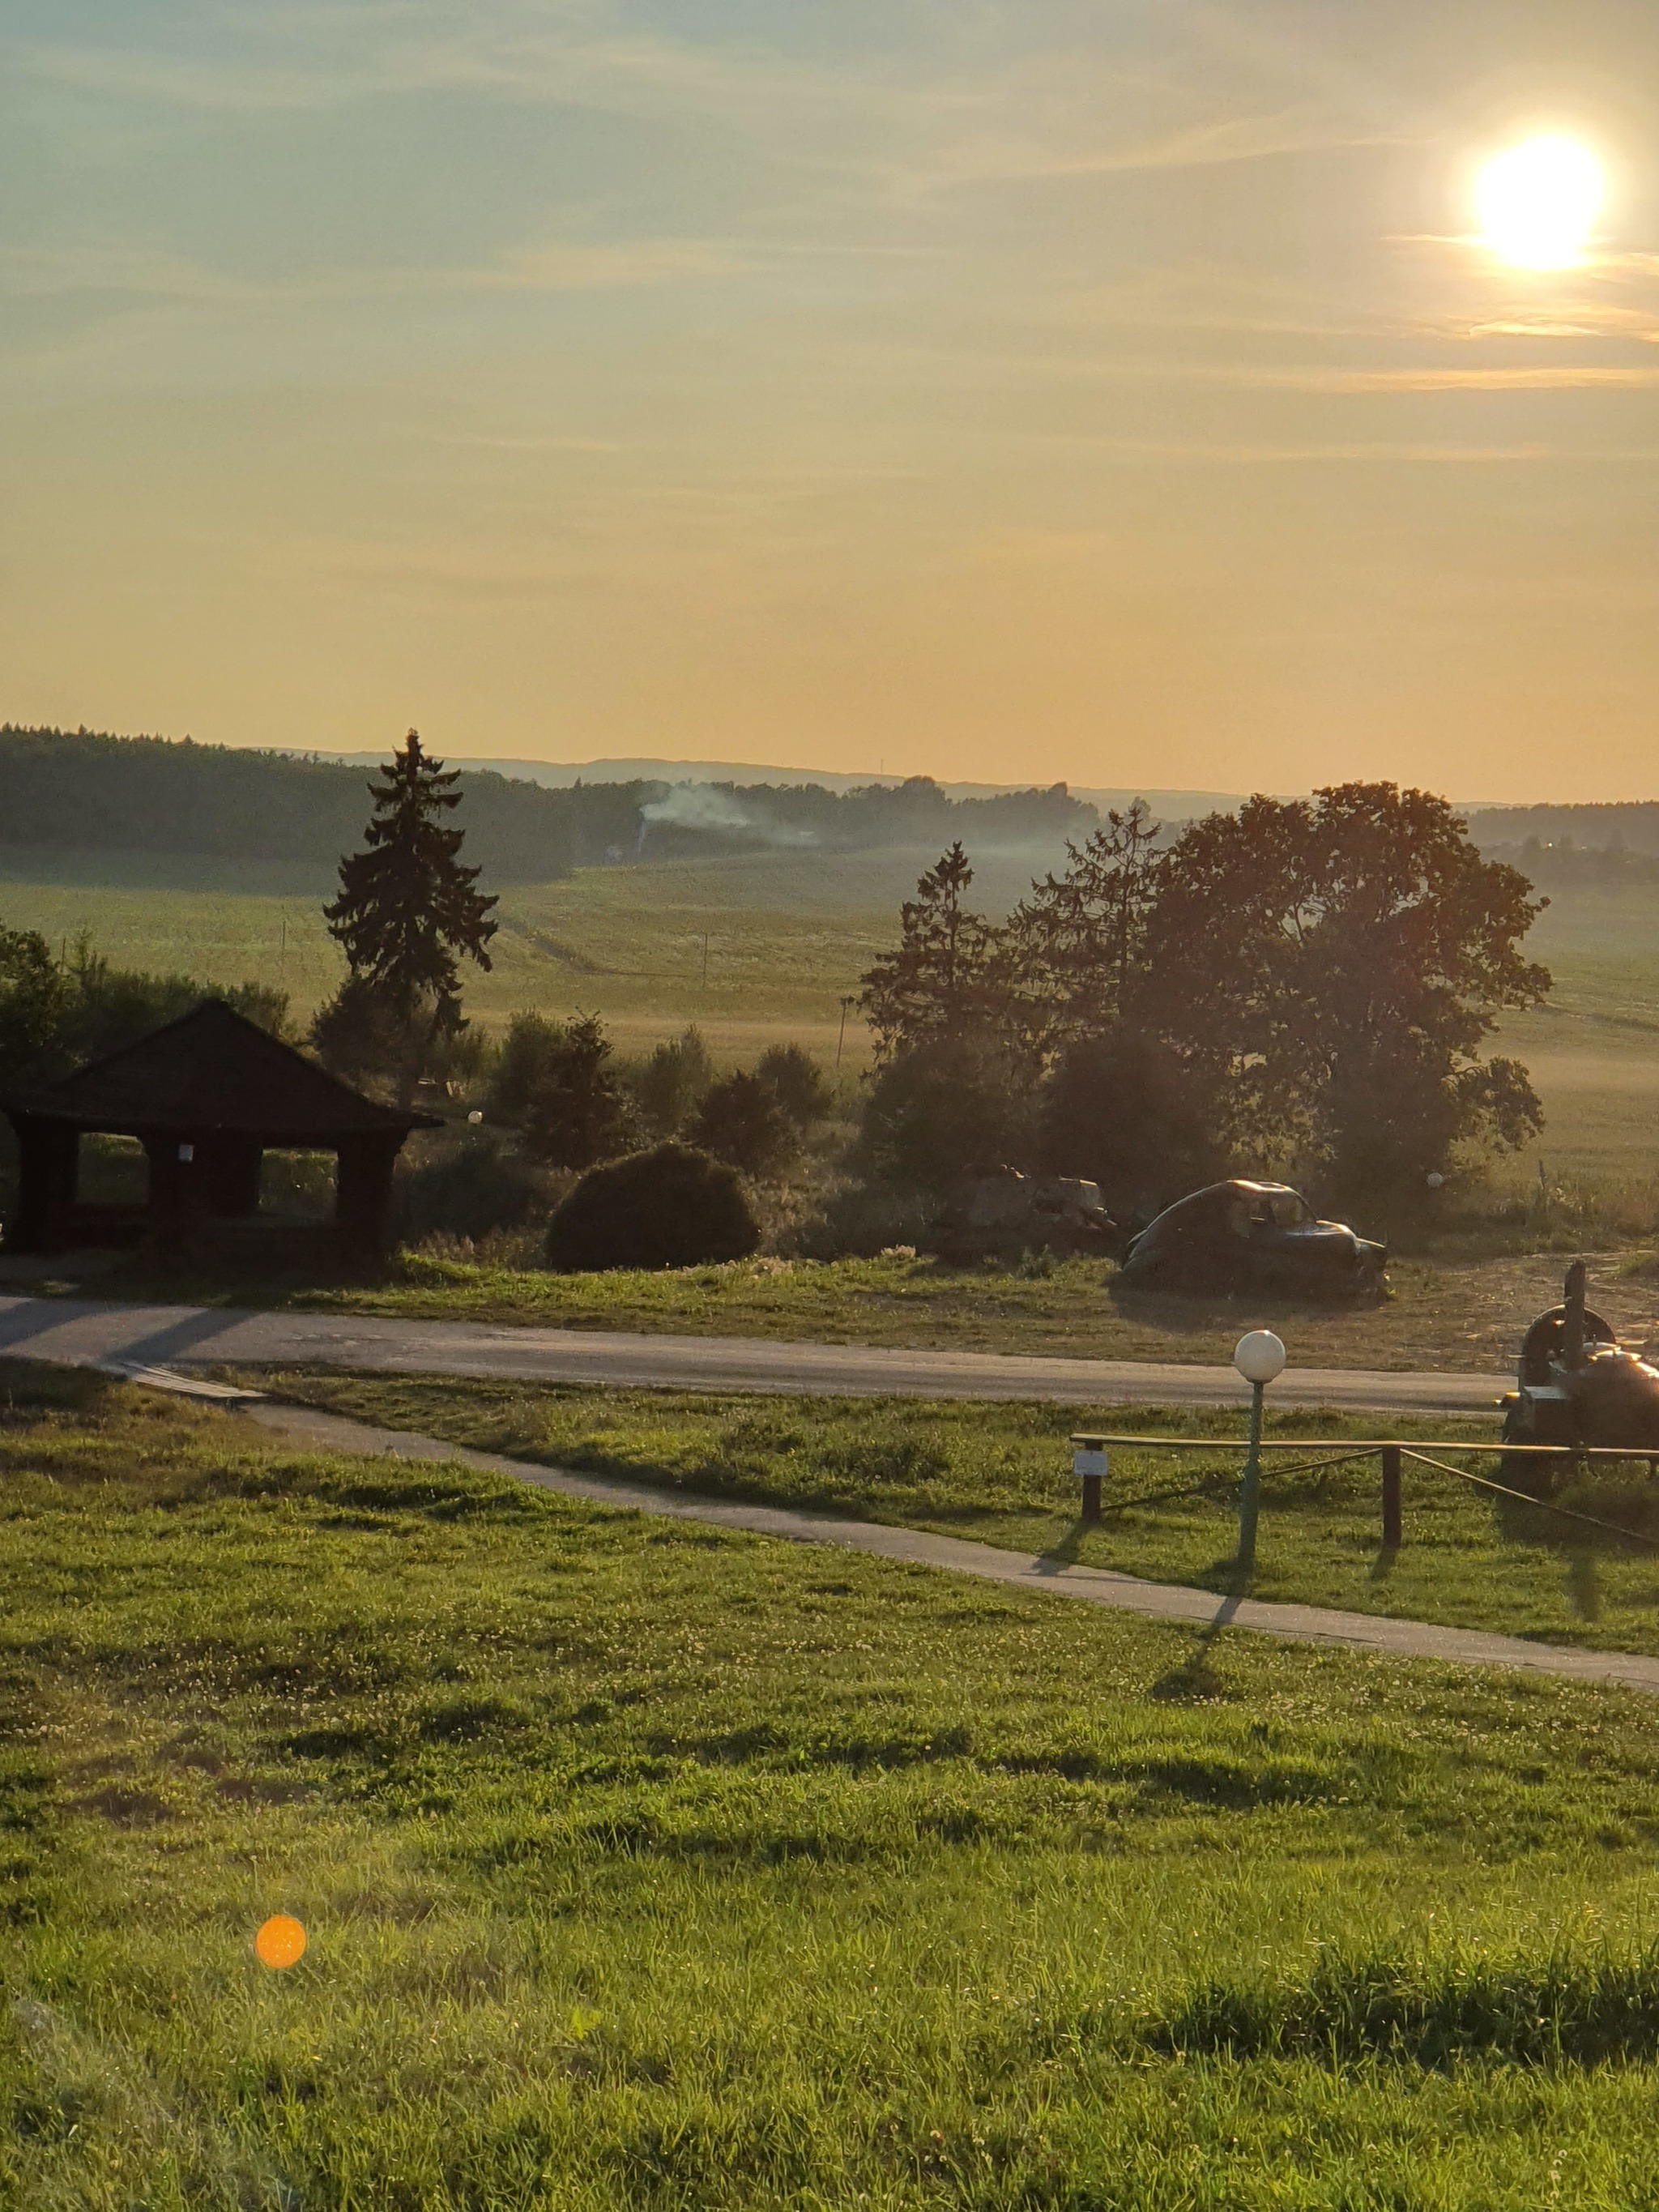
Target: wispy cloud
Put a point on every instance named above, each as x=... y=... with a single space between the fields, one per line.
x=1582 y=376
x=150 y=275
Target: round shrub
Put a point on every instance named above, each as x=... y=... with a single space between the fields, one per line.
x=670 y=1207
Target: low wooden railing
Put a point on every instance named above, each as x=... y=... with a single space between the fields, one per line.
x=1091 y=1450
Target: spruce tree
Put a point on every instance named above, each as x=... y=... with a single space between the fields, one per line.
x=407 y=912
x=944 y=980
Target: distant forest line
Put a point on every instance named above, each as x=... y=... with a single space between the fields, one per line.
x=84 y=790
x=80 y=790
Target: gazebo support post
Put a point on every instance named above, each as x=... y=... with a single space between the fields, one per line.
x=362 y=1192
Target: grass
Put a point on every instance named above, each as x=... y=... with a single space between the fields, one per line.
x=787 y=935
x=655 y=1867
x=1463 y=1315
x=1001 y=1474
x=650 y=948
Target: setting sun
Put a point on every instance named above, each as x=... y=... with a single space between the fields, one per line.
x=1537 y=201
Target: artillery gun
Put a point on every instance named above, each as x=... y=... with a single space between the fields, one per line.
x=1576 y=1386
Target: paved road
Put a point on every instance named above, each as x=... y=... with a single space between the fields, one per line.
x=1050 y=1576
x=82 y=1333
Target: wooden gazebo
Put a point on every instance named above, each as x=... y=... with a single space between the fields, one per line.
x=206 y=1097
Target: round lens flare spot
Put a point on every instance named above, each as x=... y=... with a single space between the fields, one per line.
x=280 y=1943
x=1537 y=202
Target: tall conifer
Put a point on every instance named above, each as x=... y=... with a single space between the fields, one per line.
x=408 y=910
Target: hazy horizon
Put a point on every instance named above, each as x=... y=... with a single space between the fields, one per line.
x=1008 y=394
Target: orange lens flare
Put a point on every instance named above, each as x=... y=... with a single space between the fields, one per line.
x=280 y=1943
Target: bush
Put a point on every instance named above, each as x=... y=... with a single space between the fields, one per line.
x=470 y=1189
x=670 y=1207
x=741 y=1122
x=523 y=1060
x=670 y=1087
x=941 y=1112
x=797 y=1083
x=578 y=1112
x=862 y=1220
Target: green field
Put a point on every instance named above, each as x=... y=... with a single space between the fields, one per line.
x=756 y=948
x=649 y=1866
x=1001 y=1474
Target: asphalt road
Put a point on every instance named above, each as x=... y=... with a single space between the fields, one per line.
x=83 y=1333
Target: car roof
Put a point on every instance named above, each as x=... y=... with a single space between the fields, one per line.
x=1236 y=1186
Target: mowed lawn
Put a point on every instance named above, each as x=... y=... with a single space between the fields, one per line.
x=1001 y=1474
x=647 y=1866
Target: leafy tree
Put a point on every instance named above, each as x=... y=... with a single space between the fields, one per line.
x=1079 y=943
x=34 y=1003
x=741 y=1122
x=797 y=1083
x=945 y=980
x=408 y=910
x=947 y=1109
x=54 y=1017
x=1330 y=970
x=577 y=1112
x=671 y=1085
x=106 y=1007
x=1121 y=1110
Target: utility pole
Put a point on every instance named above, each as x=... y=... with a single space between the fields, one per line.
x=846 y=1006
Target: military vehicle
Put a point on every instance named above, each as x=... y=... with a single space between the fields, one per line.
x=1004 y=1215
x=1576 y=1385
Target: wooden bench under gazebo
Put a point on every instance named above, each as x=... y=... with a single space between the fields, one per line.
x=206 y=1097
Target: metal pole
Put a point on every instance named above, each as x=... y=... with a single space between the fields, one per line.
x=1249 y=1496
x=840 y=1034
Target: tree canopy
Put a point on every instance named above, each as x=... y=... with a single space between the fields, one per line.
x=945 y=979
x=1309 y=985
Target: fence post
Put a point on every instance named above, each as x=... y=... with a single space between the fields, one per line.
x=1391 y=1528
x=1088 y=1464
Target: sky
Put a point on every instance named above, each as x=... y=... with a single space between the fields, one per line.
x=1003 y=389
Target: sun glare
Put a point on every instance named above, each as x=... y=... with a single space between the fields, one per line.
x=1538 y=202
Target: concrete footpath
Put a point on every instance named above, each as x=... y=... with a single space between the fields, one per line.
x=1049 y=1575
x=85 y=1332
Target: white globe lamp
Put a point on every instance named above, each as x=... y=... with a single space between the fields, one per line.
x=1260 y=1357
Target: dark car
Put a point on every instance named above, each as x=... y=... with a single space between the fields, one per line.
x=1244 y=1236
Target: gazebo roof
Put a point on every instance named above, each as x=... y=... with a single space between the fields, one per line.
x=213 y=1069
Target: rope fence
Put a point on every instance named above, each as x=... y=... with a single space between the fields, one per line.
x=1091 y=1452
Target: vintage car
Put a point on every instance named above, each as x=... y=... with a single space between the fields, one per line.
x=1243 y=1236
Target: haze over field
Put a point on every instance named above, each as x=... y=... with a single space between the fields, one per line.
x=1002 y=393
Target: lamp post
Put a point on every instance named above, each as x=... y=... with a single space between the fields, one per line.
x=1259 y=1357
